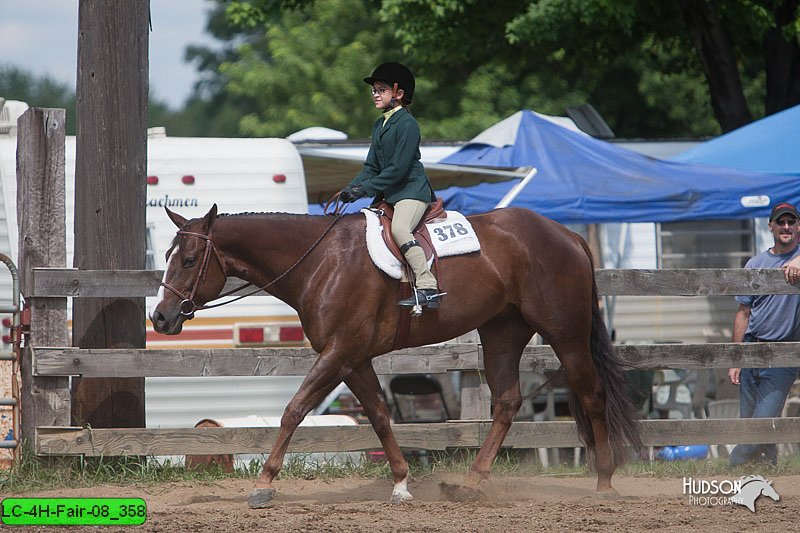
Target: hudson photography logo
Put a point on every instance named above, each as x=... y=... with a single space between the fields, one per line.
x=743 y=491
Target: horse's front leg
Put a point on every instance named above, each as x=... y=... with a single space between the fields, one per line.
x=323 y=377
x=365 y=385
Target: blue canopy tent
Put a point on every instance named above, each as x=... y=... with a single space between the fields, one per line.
x=584 y=180
x=767 y=145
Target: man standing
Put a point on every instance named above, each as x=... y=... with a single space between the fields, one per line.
x=767 y=318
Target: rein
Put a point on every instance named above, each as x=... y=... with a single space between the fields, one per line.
x=188 y=307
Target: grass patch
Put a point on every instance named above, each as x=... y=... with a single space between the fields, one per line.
x=34 y=474
x=787 y=465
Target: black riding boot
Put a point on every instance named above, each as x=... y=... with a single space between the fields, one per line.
x=427 y=298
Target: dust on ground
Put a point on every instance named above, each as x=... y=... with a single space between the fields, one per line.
x=504 y=504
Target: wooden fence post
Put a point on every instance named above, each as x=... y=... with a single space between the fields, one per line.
x=475 y=396
x=41 y=217
x=110 y=195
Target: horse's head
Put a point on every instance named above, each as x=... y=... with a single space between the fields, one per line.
x=193 y=276
x=768 y=490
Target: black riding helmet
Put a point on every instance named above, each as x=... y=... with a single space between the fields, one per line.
x=393 y=73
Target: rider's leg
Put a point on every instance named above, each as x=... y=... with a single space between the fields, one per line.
x=407 y=214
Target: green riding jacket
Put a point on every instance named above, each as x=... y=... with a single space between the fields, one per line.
x=392 y=170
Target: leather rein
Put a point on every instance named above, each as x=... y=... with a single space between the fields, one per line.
x=188 y=307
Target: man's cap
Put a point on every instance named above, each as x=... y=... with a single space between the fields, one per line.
x=783 y=208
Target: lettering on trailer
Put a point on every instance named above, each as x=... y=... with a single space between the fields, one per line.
x=172 y=202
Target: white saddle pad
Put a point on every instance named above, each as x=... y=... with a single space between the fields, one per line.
x=451 y=236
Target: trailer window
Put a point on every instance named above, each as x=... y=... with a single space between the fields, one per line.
x=706 y=244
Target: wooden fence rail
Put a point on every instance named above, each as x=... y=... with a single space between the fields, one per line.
x=56 y=362
x=63 y=282
x=104 y=442
x=425 y=359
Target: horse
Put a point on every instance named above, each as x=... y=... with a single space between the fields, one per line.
x=531 y=275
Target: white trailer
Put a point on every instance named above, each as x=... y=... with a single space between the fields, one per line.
x=188 y=175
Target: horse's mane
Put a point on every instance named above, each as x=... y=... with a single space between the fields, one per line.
x=273 y=215
x=265 y=214
x=748 y=479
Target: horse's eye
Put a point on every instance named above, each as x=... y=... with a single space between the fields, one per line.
x=189 y=262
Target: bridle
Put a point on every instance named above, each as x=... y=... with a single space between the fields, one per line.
x=188 y=307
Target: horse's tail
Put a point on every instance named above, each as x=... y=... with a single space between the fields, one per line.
x=621 y=419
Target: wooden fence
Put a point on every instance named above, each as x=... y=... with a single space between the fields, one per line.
x=47 y=363
x=56 y=362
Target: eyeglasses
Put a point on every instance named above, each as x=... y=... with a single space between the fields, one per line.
x=380 y=90
x=784 y=221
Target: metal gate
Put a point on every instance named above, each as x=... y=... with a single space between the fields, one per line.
x=10 y=374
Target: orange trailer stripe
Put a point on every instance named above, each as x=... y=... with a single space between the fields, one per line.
x=192 y=335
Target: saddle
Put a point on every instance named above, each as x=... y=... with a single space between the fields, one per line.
x=385 y=212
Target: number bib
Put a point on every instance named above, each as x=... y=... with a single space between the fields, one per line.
x=453 y=235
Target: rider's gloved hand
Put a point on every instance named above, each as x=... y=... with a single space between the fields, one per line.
x=351 y=193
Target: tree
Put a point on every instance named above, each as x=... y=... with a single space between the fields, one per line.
x=695 y=67
x=469 y=73
x=734 y=45
x=18 y=84
x=213 y=110
x=306 y=66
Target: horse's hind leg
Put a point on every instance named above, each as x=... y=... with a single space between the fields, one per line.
x=365 y=385
x=584 y=380
x=503 y=339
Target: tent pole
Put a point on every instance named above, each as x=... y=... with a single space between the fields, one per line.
x=516 y=189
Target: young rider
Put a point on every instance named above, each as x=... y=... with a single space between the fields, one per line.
x=393 y=172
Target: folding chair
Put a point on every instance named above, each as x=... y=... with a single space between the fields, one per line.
x=418 y=398
x=722 y=409
x=790 y=408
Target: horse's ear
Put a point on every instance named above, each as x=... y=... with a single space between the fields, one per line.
x=208 y=220
x=176 y=218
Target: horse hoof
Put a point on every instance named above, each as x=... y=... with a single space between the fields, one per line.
x=400 y=497
x=608 y=495
x=460 y=493
x=261 y=498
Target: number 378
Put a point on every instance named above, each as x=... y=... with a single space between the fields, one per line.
x=450 y=231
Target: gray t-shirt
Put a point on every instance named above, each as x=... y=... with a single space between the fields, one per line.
x=774 y=317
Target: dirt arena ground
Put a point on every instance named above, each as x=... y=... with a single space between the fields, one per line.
x=507 y=504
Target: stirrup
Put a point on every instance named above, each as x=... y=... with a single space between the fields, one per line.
x=422 y=298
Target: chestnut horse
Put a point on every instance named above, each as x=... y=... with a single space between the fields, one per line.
x=531 y=275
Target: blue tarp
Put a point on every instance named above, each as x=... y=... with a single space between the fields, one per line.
x=585 y=180
x=771 y=145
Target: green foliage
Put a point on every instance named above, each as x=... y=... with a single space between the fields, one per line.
x=283 y=65
x=550 y=55
x=18 y=84
x=635 y=61
x=309 y=69
x=494 y=92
